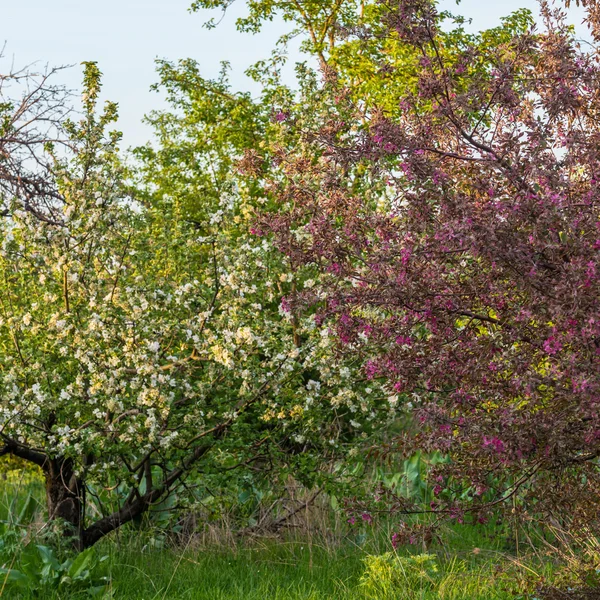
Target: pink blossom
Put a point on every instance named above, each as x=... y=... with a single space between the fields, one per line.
x=495 y=443
x=285 y=305
x=552 y=346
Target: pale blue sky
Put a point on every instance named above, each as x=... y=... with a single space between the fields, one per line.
x=125 y=36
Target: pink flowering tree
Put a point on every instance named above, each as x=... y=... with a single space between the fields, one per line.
x=459 y=244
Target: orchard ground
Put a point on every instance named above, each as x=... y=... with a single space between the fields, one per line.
x=467 y=562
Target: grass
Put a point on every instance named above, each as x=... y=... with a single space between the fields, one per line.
x=276 y=571
x=471 y=563
x=294 y=570
x=280 y=571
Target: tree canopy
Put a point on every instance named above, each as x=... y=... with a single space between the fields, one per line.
x=405 y=240
x=470 y=260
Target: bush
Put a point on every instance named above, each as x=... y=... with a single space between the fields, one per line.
x=390 y=574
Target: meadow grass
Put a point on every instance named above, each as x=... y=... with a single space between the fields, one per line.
x=296 y=570
x=281 y=571
x=471 y=563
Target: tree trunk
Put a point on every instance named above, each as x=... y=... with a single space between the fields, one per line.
x=65 y=492
x=65 y=497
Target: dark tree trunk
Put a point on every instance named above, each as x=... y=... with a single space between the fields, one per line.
x=65 y=492
x=65 y=497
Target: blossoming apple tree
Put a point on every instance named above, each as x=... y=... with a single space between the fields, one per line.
x=140 y=345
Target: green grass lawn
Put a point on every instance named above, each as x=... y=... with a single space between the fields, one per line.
x=278 y=571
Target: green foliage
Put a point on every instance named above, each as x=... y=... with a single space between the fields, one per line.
x=191 y=178
x=145 y=563
x=38 y=572
x=38 y=563
x=428 y=577
x=143 y=319
x=140 y=324
x=390 y=574
x=206 y=173
x=315 y=20
x=410 y=480
x=296 y=571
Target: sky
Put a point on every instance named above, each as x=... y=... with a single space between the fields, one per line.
x=125 y=37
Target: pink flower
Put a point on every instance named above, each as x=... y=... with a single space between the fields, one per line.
x=495 y=443
x=286 y=307
x=371 y=369
x=552 y=346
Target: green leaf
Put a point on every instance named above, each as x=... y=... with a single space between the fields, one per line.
x=14 y=577
x=48 y=557
x=30 y=561
x=244 y=496
x=28 y=511
x=99 y=591
x=84 y=561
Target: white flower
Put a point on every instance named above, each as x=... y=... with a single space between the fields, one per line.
x=223 y=356
x=216 y=217
x=313 y=385
x=153 y=346
x=244 y=335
